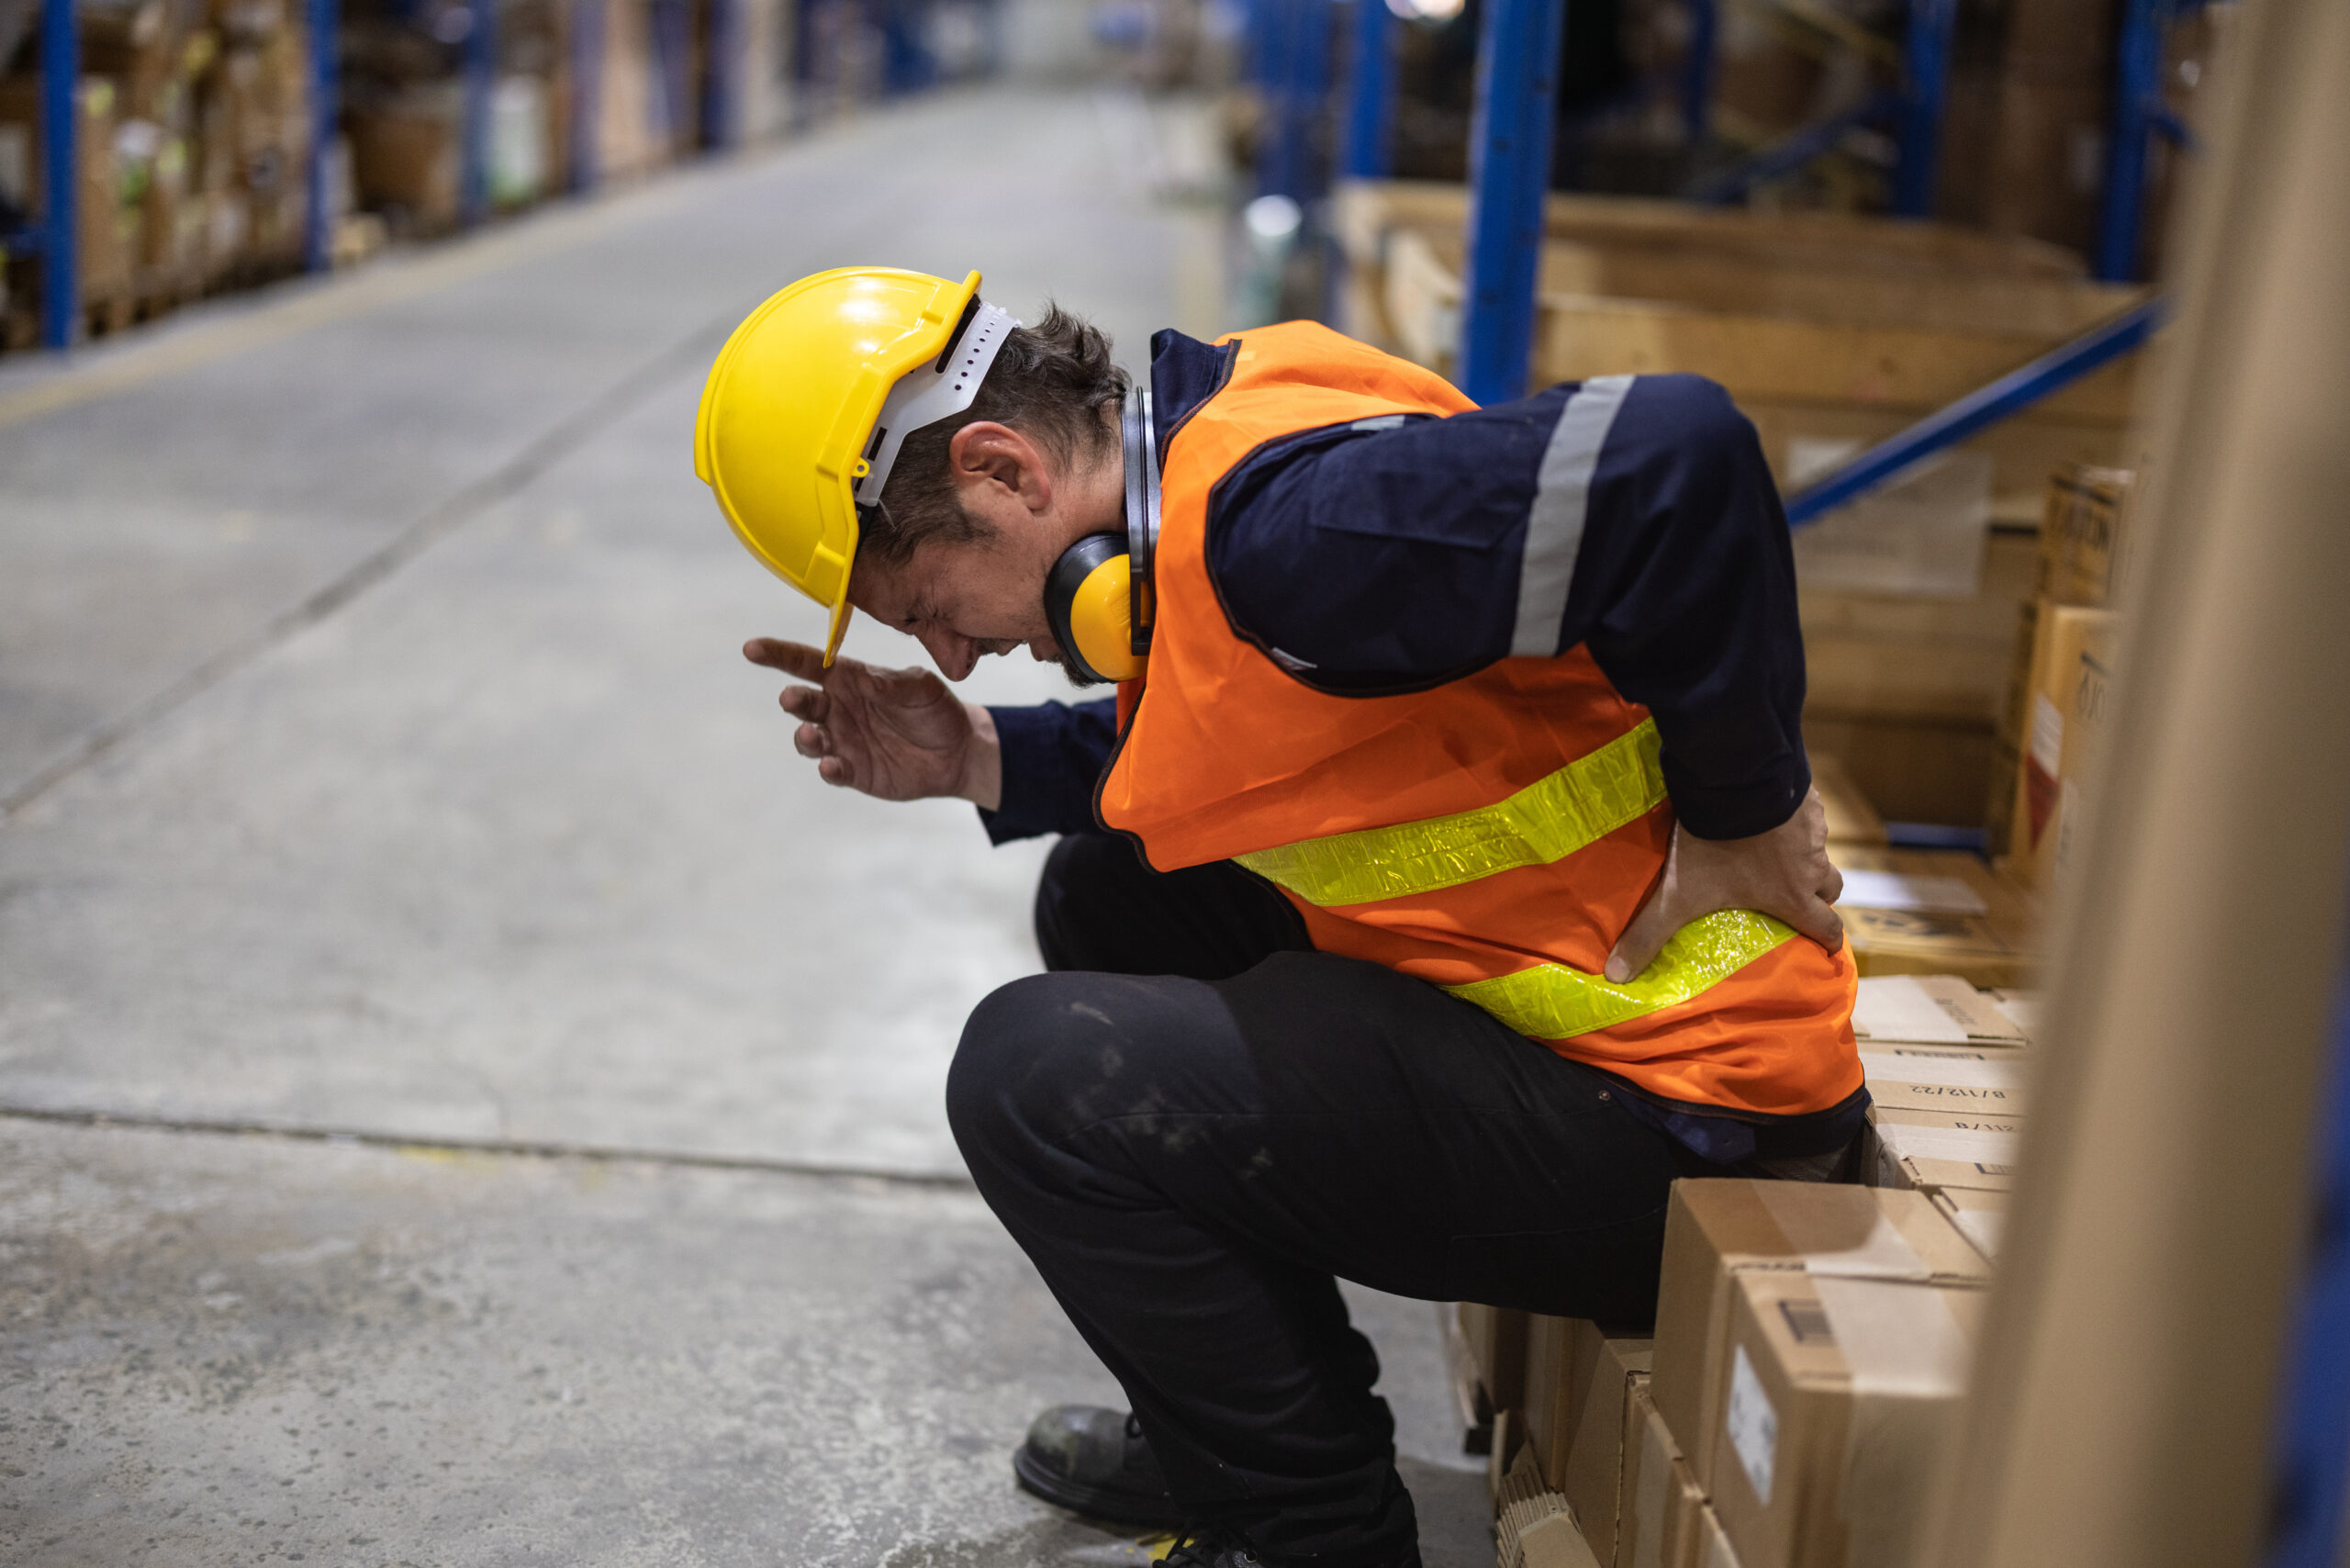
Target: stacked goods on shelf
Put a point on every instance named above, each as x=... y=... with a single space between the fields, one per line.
x=103 y=248
x=1809 y=1351
x=1946 y=1070
x=2054 y=715
x=1927 y=911
x=194 y=148
x=2053 y=117
x=404 y=109
x=1830 y=333
x=634 y=121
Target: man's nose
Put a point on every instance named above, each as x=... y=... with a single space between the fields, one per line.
x=955 y=655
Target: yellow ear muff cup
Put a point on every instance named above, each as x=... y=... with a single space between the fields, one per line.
x=1090 y=608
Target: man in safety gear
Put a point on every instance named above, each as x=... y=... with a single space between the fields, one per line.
x=1443 y=881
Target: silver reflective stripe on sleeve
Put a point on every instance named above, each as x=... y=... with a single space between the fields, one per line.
x=1554 y=524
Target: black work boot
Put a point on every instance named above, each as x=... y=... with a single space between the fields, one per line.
x=1096 y=1462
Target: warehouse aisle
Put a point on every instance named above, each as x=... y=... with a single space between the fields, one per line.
x=378 y=768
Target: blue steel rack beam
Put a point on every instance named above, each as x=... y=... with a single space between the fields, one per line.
x=1925 y=82
x=2017 y=390
x=721 y=109
x=479 y=68
x=586 y=93
x=1369 y=152
x=1914 y=110
x=1730 y=183
x=2138 y=115
x=60 y=81
x=1293 y=39
x=326 y=108
x=1697 y=73
x=1510 y=174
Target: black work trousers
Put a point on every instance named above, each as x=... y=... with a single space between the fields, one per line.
x=1193 y=1123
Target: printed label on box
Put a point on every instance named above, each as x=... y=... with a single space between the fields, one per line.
x=1751 y=1425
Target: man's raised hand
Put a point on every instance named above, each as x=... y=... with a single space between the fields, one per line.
x=1785 y=872
x=895 y=734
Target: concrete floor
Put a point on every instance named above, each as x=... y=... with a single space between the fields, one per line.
x=517 y=1077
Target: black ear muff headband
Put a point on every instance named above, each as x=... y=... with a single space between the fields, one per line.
x=1098 y=597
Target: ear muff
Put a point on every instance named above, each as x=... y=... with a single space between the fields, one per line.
x=1088 y=604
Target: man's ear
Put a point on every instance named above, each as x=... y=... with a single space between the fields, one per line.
x=986 y=454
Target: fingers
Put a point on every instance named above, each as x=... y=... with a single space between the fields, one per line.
x=792 y=658
x=1643 y=939
x=1819 y=923
x=807 y=703
x=812 y=742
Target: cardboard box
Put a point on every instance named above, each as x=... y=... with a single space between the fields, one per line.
x=1977 y=1215
x=1713 y=1550
x=1986 y=1085
x=106 y=232
x=1662 y=1497
x=1940 y=934
x=2071 y=671
x=1975 y=1155
x=2081 y=535
x=404 y=157
x=1534 y=1527
x=1487 y=1347
x=1932 y=1010
x=1851 y=818
x=1719 y=1231
x=1842 y=1394
x=1607 y=1435
x=1997 y=1121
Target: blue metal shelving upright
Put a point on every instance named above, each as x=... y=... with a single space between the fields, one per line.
x=326 y=110
x=1925 y=85
x=1370 y=150
x=586 y=94
x=1291 y=43
x=722 y=119
x=59 y=235
x=478 y=70
x=1509 y=176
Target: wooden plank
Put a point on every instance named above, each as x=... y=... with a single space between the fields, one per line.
x=1881 y=366
x=1909 y=369
x=2049 y=308
x=1843 y=242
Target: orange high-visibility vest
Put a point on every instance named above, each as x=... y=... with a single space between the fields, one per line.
x=1493 y=835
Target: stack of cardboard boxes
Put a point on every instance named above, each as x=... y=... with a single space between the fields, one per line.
x=1788 y=1406
x=192 y=152
x=2054 y=714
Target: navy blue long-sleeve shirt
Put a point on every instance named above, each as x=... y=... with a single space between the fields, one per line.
x=1632 y=515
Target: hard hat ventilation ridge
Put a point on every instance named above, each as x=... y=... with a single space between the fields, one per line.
x=934 y=392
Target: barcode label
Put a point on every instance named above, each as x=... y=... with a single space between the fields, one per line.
x=1808 y=1321
x=1751 y=1426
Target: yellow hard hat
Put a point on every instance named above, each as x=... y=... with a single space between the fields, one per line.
x=804 y=412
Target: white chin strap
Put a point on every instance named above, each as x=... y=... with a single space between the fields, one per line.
x=931 y=392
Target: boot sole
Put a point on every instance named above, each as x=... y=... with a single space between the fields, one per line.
x=1101 y=1503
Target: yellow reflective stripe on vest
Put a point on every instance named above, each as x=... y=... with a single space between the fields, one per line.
x=1551 y=1002
x=1548 y=819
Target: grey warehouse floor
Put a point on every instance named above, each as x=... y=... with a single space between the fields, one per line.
x=467 y=1093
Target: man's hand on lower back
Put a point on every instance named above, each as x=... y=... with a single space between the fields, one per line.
x=895 y=734
x=1785 y=872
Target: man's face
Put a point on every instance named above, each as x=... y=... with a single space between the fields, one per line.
x=966 y=601
x=987 y=595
